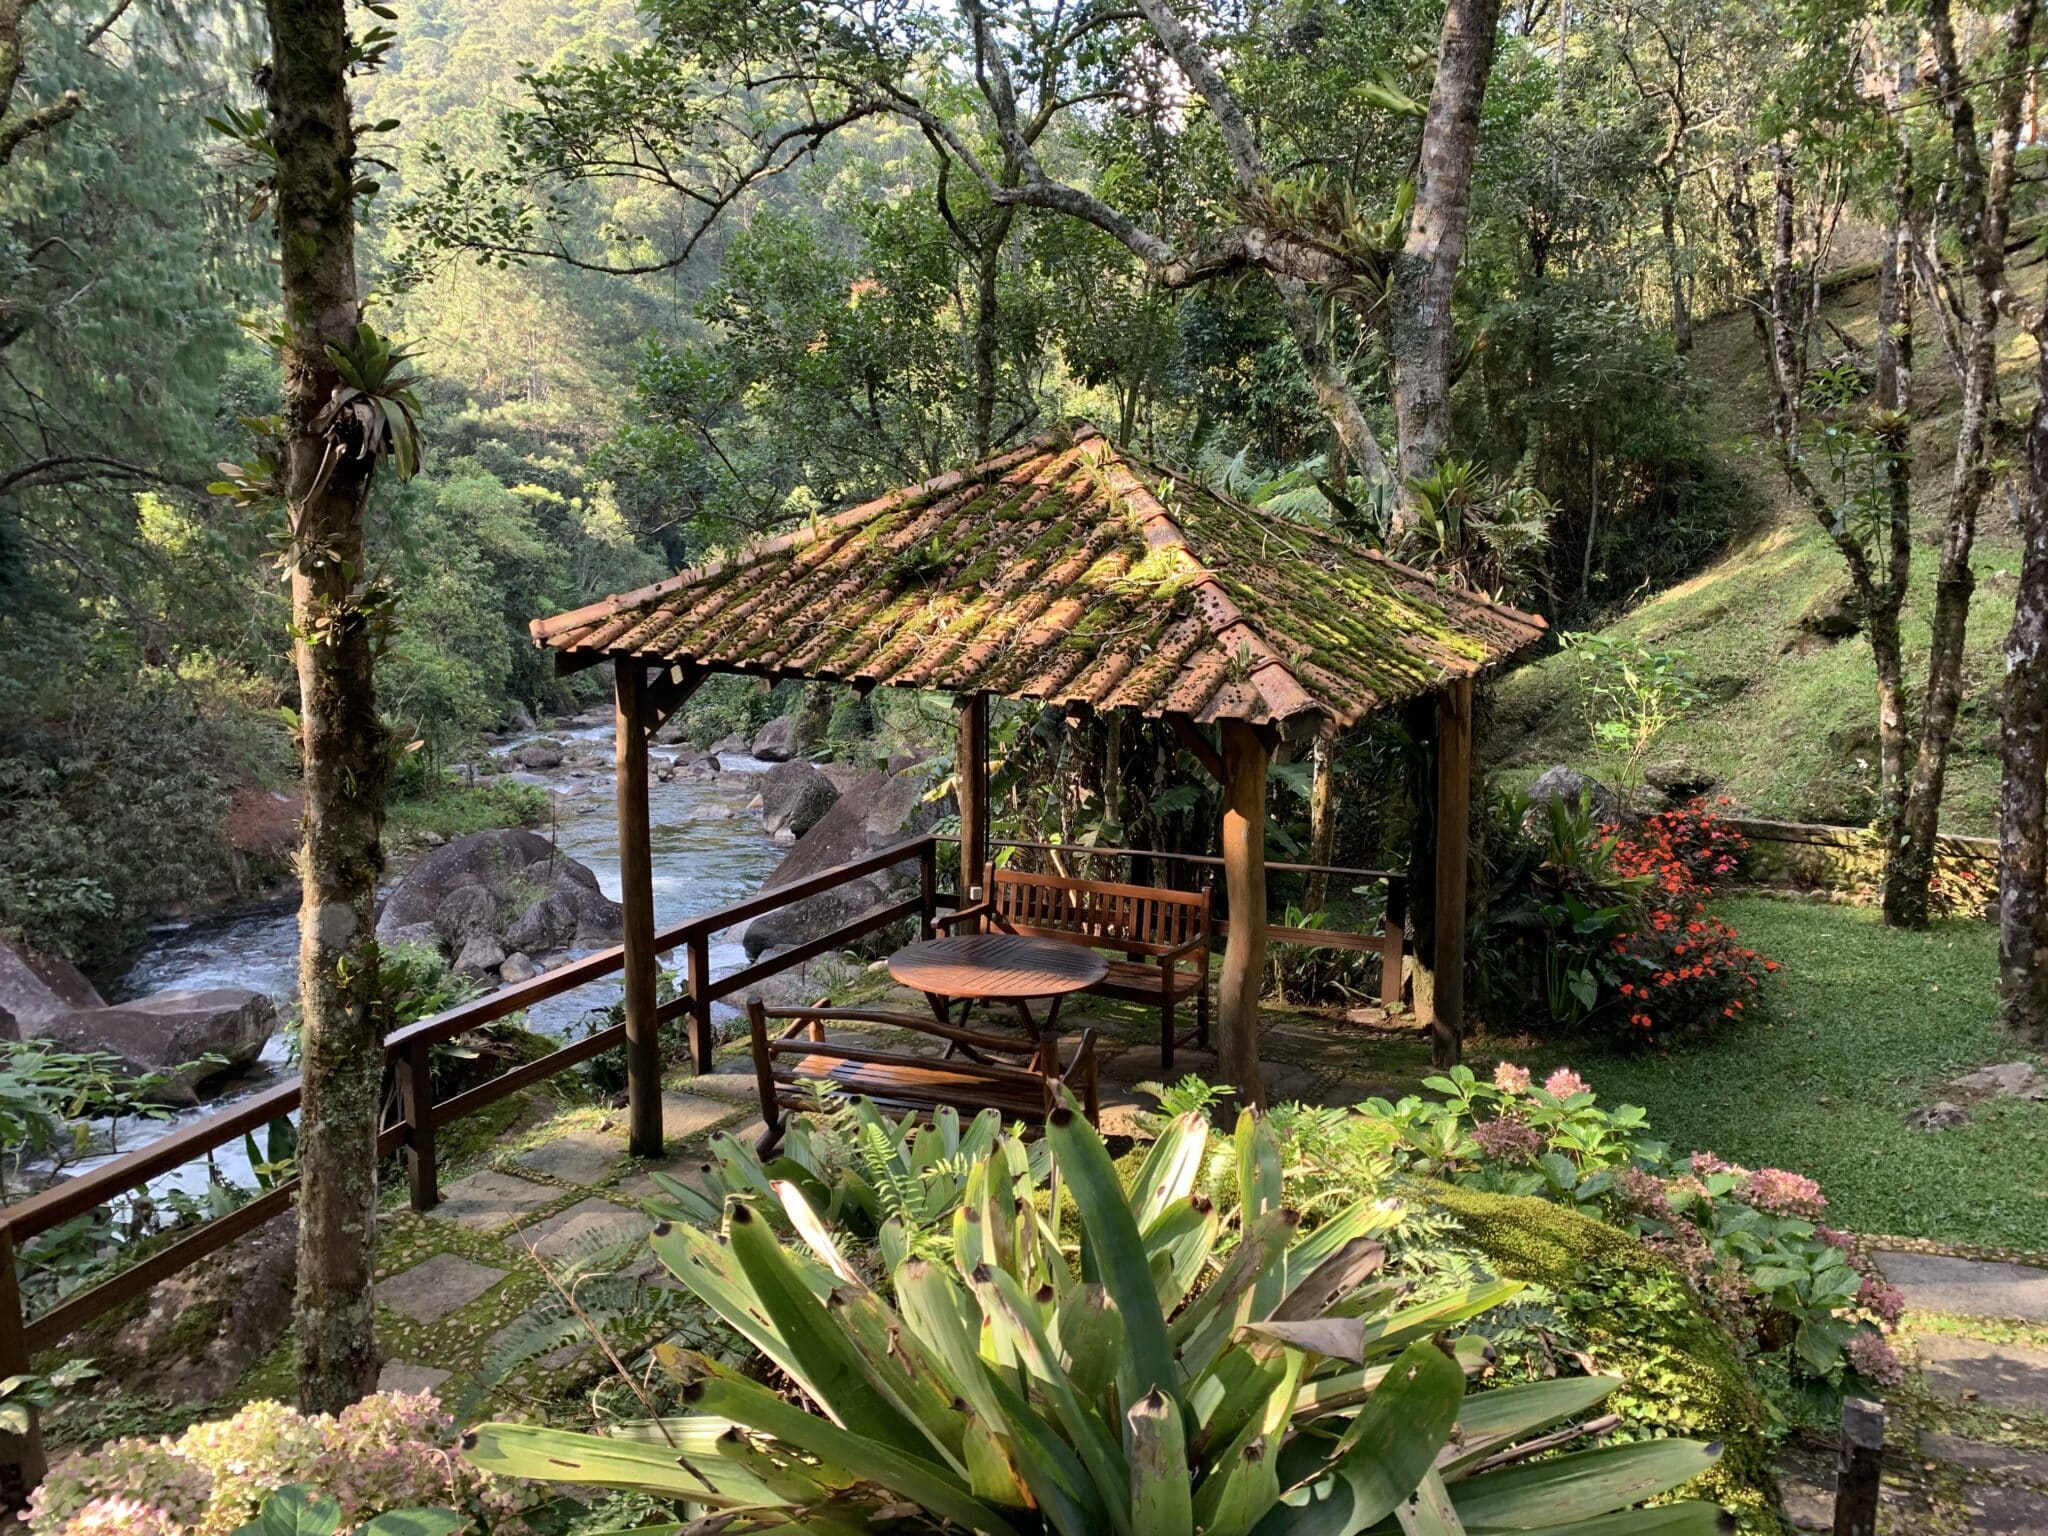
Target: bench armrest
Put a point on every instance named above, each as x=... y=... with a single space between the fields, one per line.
x=1184 y=950
x=978 y=909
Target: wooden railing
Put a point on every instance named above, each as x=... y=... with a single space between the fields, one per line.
x=409 y=1051
x=1390 y=943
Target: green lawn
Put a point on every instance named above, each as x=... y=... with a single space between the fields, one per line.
x=1864 y=1025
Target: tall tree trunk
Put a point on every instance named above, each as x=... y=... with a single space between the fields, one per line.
x=1674 y=263
x=343 y=746
x=2023 y=740
x=1884 y=599
x=1322 y=819
x=1426 y=270
x=1984 y=198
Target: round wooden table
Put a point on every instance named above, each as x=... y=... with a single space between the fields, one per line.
x=998 y=968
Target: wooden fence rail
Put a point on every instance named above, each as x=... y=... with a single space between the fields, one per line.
x=409 y=1052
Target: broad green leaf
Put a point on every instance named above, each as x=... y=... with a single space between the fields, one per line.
x=733 y=1398
x=692 y=1469
x=415 y=1522
x=1161 y=1492
x=1578 y=1486
x=1487 y=1421
x=1112 y=1237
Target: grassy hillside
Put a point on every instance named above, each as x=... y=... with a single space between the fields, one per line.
x=1790 y=727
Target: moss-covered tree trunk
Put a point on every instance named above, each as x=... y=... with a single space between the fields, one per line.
x=343 y=749
x=2023 y=793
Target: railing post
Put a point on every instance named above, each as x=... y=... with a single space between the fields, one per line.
x=1856 y=1484
x=699 y=976
x=21 y=1456
x=928 y=886
x=636 y=898
x=416 y=1102
x=1394 y=942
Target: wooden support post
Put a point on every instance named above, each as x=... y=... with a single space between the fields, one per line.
x=636 y=896
x=1393 y=943
x=1862 y=1468
x=1453 y=821
x=699 y=978
x=22 y=1463
x=928 y=887
x=970 y=778
x=1244 y=880
x=416 y=1103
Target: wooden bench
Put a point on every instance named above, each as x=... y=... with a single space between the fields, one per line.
x=1164 y=936
x=791 y=1055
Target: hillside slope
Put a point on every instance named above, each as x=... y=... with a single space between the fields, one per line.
x=1789 y=729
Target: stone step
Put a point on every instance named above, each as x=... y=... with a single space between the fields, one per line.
x=1935 y=1282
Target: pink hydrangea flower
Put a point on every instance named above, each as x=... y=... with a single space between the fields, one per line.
x=1882 y=1297
x=1508 y=1141
x=1872 y=1358
x=1563 y=1083
x=1783 y=1193
x=1511 y=1079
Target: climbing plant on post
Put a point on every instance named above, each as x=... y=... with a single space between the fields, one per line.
x=347 y=407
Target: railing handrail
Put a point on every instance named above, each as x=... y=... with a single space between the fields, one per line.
x=1206 y=860
x=74 y=1197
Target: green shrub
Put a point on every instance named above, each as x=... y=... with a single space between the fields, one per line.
x=1192 y=1375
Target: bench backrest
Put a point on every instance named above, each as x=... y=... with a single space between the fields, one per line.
x=1139 y=919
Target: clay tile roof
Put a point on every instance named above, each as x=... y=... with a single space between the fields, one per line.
x=1071 y=572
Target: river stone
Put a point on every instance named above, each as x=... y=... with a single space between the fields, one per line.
x=879 y=810
x=480 y=956
x=1937 y=1282
x=169 y=1030
x=509 y=882
x=1941 y=1116
x=467 y=912
x=730 y=745
x=517 y=968
x=35 y=989
x=777 y=741
x=1571 y=786
x=539 y=756
x=794 y=798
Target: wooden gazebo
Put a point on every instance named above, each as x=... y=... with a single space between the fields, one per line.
x=1071 y=573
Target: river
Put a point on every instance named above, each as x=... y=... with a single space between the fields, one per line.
x=709 y=851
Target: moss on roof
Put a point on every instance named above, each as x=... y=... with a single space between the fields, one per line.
x=1072 y=572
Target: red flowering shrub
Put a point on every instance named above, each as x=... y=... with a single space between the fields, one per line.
x=1683 y=970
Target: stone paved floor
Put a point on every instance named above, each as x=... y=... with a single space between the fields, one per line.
x=1967 y=1432
x=456 y=1285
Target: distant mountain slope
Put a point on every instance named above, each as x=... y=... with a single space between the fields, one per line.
x=1790 y=729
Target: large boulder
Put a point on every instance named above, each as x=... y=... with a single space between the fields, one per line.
x=35 y=989
x=876 y=811
x=539 y=756
x=510 y=887
x=172 y=1033
x=1571 y=786
x=795 y=798
x=776 y=742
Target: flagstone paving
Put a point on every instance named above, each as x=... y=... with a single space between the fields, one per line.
x=1967 y=1432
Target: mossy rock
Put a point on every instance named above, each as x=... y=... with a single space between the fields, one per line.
x=1641 y=1321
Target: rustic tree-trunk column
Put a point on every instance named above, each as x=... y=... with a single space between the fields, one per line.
x=1453 y=820
x=2023 y=792
x=970 y=779
x=1244 y=881
x=636 y=896
x=344 y=750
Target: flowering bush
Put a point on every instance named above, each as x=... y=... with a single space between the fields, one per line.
x=1749 y=1240
x=390 y=1451
x=1595 y=926
x=1684 y=970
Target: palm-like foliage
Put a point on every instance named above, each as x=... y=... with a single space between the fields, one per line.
x=1181 y=1378
x=373 y=412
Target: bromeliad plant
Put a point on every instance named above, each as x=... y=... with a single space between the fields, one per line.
x=1188 y=1374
